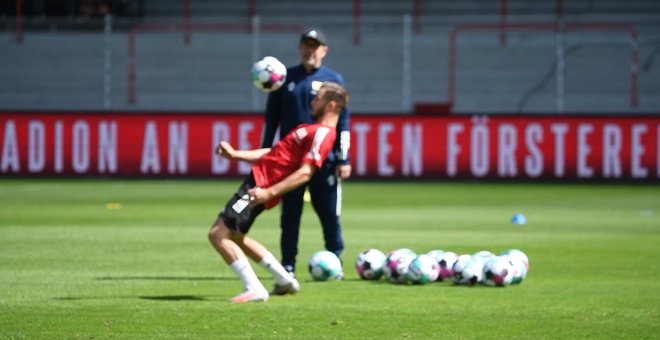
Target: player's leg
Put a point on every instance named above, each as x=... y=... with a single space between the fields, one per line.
x=227 y=235
x=221 y=239
x=291 y=211
x=325 y=192
x=285 y=283
x=226 y=243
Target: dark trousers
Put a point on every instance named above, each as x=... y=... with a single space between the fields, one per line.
x=325 y=191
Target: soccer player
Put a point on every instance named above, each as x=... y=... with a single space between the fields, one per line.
x=288 y=107
x=275 y=171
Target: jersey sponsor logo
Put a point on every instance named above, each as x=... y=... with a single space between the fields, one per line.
x=319 y=136
x=292 y=85
x=300 y=134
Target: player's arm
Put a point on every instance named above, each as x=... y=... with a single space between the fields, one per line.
x=271 y=119
x=343 y=143
x=226 y=150
x=296 y=179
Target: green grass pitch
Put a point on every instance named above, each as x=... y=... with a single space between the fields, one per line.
x=129 y=259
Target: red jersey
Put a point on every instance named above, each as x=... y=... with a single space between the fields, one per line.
x=307 y=143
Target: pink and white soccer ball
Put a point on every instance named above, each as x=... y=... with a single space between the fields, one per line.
x=468 y=270
x=370 y=264
x=517 y=254
x=397 y=264
x=519 y=271
x=519 y=263
x=497 y=271
x=268 y=74
x=423 y=269
x=446 y=260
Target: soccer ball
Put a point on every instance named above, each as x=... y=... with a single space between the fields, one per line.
x=467 y=270
x=268 y=74
x=519 y=255
x=518 y=270
x=397 y=264
x=483 y=256
x=519 y=264
x=325 y=265
x=423 y=269
x=370 y=264
x=446 y=260
x=497 y=271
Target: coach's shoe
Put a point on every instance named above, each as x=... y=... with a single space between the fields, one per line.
x=289 y=288
x=291 y=270
x=251 y=296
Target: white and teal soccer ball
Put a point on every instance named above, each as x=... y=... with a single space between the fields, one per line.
x=370 y=264
x=446 y=260
x=519 y=263
x=325 y=265
x=423 y=269
x=497 y=271
x=519 y=271
x=397 y=264
x=517 y=254
x=483 y=256
x=468 y=270
x=268 y=74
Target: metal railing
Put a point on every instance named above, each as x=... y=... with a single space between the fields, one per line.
x=125 y=96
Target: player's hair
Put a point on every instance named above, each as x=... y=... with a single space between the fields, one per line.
x=336 y=93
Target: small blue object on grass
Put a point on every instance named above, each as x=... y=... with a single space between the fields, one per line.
x=519 y=219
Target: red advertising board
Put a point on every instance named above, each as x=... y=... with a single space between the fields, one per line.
x=382 y=146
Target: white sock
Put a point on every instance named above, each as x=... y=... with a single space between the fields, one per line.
x=281 y=276
x=247 y=275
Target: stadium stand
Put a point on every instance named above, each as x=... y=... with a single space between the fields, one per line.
x=69 y=65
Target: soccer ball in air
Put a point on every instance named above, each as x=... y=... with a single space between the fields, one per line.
x=497 y=271
x=370 y=264
x=325 y=265
x=446 y=260
x=468 y=270
x=268 y=74
x=397 y=264
x=423 y=269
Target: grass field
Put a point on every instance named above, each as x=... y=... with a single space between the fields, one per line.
x=99 y=259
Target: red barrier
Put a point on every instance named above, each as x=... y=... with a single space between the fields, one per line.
x=18 y=20
x=356 y=22
x=383 y=146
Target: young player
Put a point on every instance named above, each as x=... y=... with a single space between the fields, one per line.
x=288 y=107
x=275 y=171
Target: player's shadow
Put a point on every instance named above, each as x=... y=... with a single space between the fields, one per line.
x=174 y=298
x=167 y=278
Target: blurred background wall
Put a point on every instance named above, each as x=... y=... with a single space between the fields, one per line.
x=417 y=56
